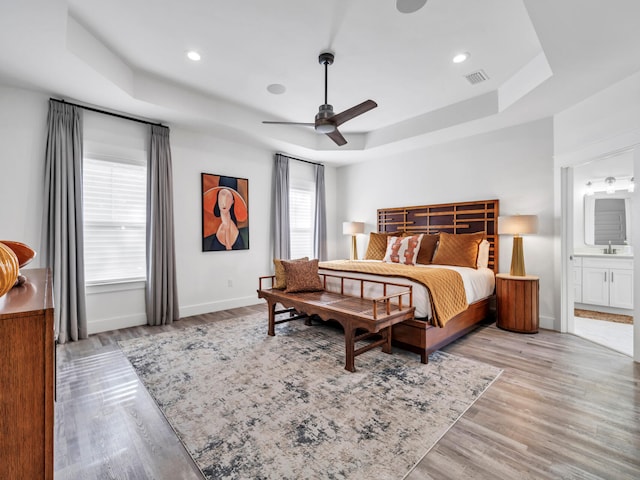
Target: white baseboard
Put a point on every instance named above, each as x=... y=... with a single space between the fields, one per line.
x=190 y=310
x=547 y=323
x=116 y=323
x=136 y=320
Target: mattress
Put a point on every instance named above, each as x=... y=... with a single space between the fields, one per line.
x=478 y=284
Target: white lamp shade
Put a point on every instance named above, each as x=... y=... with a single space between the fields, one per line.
x=518 y=224
x=352 y=228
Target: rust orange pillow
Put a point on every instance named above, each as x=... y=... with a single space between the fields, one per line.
x=281 y=279
x=427 y=248
x=302 y=276
x=377 y=246
x=458 y=249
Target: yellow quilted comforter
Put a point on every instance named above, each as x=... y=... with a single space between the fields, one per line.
x=445 y=287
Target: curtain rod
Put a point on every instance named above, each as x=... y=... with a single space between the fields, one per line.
x=105 y=112
x=299 y=159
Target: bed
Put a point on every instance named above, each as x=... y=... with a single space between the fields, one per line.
x=425 y=334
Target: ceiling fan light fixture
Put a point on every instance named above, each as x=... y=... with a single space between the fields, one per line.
x=325 y=127
x=410 y=6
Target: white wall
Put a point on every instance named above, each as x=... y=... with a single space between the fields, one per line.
x=514 y=165
x=601 y=124
x=23 y=117
x=203 y=277
x=210 y=281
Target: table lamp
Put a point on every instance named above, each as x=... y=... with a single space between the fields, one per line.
x=353 y=228
x=517 y=225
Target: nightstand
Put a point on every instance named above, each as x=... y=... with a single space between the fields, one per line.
x=517 y=301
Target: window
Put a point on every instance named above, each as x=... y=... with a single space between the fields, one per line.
x=114 y=207
x=301 y=217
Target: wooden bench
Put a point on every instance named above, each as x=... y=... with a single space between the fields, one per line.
x=375 y=316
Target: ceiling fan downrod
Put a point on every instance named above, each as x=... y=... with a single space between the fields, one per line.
x=326 y=59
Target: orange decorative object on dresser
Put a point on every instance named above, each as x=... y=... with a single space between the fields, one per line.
x=9 y=268
x=24 y=252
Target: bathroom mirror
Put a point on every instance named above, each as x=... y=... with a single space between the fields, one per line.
x=607 y=218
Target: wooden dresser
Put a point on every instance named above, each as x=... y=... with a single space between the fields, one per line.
x=27 y=378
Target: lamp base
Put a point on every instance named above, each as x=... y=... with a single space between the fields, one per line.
x=354 y=248
x=517 y=258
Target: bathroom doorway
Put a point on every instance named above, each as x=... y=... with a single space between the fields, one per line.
x=603 y=252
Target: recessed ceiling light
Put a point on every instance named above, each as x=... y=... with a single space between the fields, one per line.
x=276 y=88
x=410 y=6
x=461 y=57
x=193 y=55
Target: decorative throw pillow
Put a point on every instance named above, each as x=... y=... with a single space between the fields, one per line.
x=483 y=254
x=302 y=276
x=403 y=249
x=427 y=249
x=458 y=249
x=377 y=246
x=281 y=279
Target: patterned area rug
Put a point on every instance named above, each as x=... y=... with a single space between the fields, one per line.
x=609 y=317
x=249 y=406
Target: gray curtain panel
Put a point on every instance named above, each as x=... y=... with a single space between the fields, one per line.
x=161 y=290
x=282 y=248
x=62 y=243
x=320 y=230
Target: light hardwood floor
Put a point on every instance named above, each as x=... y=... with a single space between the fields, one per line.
x=564 y=408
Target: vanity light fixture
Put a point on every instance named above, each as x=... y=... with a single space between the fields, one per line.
x=610 y=181
x=632 y=186
x=589 y=188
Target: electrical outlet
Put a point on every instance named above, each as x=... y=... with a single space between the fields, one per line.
x=229 y=283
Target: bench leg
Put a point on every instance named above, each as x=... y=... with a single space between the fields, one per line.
x=349 y=344
x=386 y=333
x=272 y=318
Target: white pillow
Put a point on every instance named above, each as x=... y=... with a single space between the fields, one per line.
x=402 y=249
x=483 y=254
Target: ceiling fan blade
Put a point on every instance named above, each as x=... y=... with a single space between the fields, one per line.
x=289 y=123
x=337 y=137
x=340 y=118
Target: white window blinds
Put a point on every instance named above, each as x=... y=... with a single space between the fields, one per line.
x=114 y=207
x=301 y=213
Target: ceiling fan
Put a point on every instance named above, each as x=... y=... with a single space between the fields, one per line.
x=326 y=121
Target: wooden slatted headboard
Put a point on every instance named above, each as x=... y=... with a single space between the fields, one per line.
x=462 y=217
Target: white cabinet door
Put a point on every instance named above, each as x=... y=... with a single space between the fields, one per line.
x=595 y=285
x=621 y=288
x=577 y=284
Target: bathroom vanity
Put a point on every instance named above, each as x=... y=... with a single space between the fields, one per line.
x=603 y=279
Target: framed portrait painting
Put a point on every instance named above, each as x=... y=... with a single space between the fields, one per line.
x=225 y=213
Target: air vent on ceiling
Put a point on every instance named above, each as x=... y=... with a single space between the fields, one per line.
x=477 y=77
